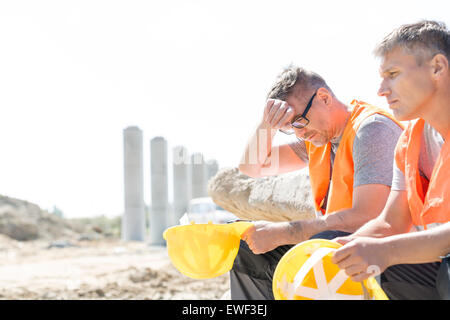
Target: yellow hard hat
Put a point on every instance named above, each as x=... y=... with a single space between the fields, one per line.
x=306 y=272
x=203 y=251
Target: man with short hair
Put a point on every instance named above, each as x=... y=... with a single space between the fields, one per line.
x=348 y=150
x=412 y=234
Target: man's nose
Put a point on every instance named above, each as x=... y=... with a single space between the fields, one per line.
x=384 y=90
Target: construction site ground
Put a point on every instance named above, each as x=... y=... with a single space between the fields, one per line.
x=106 y=269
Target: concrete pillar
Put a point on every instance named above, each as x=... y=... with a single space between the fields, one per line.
x=181 y=183
x=133 y=220
x=159 y=183
x=199 y=180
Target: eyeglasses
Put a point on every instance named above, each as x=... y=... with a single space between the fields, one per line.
x=300 y=121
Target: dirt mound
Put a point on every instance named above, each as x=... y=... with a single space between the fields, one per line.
x=23 y=221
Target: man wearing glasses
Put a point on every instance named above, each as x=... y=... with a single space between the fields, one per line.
x=349 y=151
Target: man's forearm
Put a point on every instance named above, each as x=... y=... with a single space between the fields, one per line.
x=301 y=230
x=376 y=228
x=419 y=247
x=348 y=220
x=345 y=220
x=257 y=150
x=395 y=218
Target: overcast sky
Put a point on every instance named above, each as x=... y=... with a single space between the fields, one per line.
x=74 y=74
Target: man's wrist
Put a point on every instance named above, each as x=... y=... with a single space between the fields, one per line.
x=389 y=246
x=264 y=124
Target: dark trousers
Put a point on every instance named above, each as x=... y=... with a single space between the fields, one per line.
x=411 y=281
x=252 y=274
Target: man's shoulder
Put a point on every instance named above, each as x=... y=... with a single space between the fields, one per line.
x=373 y=150
x=376 y=134
x=378 y=125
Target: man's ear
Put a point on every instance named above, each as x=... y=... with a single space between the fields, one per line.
x=439 y=65
x=325 y=96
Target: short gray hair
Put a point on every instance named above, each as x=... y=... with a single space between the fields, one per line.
x=423 y=39
x=297 y=81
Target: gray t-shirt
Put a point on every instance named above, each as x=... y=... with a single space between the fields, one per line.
x=430 y=147
x=373 y=150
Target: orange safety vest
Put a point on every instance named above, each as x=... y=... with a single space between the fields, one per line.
x=428 y=201
x=340 y=190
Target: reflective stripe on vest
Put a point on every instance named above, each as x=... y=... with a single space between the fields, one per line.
x=339 y=188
